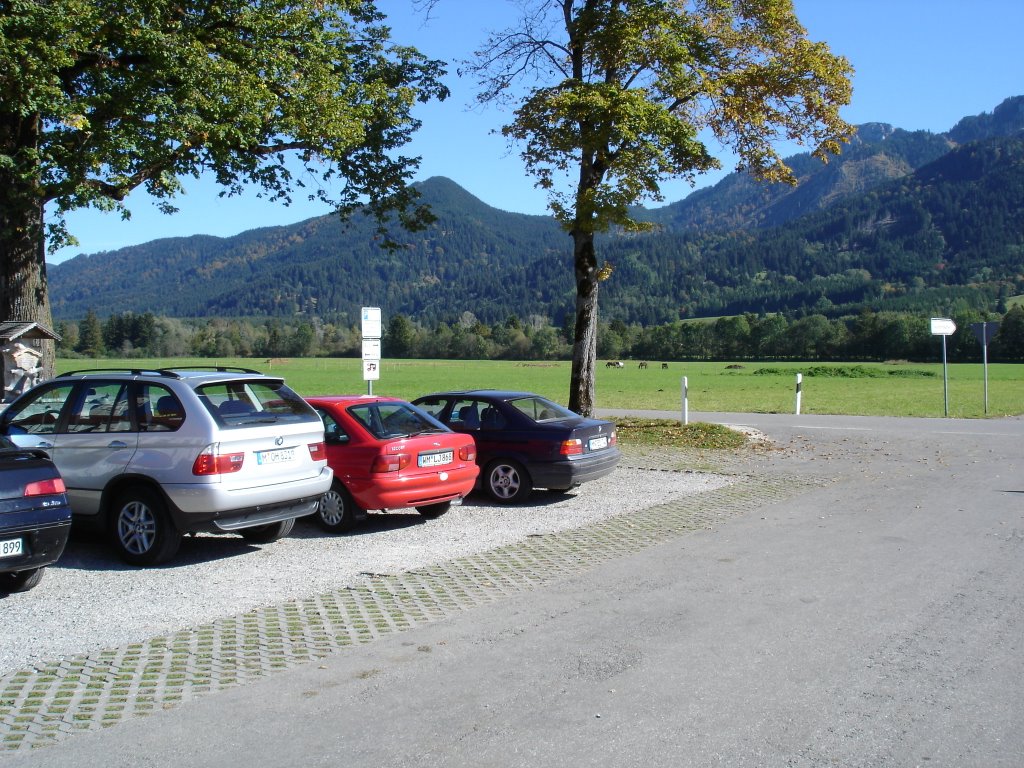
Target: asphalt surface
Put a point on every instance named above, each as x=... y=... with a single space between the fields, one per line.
x=873 y=618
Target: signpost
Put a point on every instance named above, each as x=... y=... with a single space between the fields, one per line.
x=686 y=401
x=943 y=326
x=371 y=328
x=985 y=332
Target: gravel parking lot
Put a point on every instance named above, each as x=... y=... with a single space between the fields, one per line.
x=90 y=600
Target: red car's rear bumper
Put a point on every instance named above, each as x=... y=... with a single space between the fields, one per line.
x=384 y=492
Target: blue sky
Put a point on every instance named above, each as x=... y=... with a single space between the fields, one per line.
x=920 y=64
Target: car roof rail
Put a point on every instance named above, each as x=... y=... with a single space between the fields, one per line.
x=132 y=371
x=212 y=368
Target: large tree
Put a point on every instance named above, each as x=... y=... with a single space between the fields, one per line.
x=100 y=97
x=613 y=97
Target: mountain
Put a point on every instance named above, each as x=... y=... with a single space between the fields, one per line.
x=876 y=154
x=953 y=230
x=1006 y=120
x=900 y=217
x=320 y=266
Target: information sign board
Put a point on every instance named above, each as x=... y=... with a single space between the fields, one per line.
x=371 y=349
x=371 y=323
x=943 y=326
x=371 y=370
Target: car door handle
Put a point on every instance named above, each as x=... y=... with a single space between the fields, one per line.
x=44 y=445
x=117 y=445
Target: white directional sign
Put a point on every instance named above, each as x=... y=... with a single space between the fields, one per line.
x=943 y=326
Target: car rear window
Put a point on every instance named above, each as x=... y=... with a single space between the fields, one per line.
x=247 y=402
x=539 y=409
x=388 y=420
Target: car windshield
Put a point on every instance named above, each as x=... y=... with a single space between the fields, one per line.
x=540 y=409
x=37 y=412
x=388 y=420
x=243 y=403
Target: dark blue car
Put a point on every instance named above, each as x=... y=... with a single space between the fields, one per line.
x=35 y=518
x=525 y=441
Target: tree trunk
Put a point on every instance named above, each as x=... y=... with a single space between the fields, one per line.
x=23 y=290
x=584 y=348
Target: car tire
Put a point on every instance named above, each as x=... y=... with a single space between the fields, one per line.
x=265 y=534
x=142 y=530
x=337 y=512
x=22 y=581
x=432 y=511
x=507 y=482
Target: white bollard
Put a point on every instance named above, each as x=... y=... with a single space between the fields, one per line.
x=799 y=386
x=686 y=403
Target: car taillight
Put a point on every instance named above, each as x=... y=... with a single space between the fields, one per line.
x=613 y=438
x=390 y=462
x=468 y=452
x=317 y=452
x=572 y=447
x=45 y=487
x=212 y=462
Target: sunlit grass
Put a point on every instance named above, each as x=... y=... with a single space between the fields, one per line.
x=898 y=389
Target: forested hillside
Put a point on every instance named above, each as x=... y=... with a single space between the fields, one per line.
x=952 y=232
x=909 y=221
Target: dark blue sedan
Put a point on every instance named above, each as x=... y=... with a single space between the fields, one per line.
x=35 y=518
x=525 y=441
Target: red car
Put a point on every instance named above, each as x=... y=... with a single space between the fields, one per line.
x=388 y=454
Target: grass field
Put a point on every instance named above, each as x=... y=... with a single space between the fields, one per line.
x=852 y=389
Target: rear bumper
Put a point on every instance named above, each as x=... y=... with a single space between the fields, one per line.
x=573 y=470
x=212 y=508
x=241 y=519
x=395 y=493
x=42 y=545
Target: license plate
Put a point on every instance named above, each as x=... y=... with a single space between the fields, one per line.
x=11 y=547
x=275 y=457
x=435 y=459
x=597 y=443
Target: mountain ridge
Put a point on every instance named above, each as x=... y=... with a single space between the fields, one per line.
x=492 y=263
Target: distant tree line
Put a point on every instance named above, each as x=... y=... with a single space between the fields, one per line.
x=868 y=336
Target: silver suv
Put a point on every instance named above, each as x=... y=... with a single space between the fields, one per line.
x=150 y=455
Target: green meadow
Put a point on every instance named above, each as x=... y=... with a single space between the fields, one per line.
x=866 y=389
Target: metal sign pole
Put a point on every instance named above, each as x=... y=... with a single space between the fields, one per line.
x=686 y=402
x=984 y=363
x=985 y=332
x=945 y=379
x=943 y=326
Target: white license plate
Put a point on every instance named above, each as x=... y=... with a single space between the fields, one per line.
x=436 y=459
x=597 y=443
x=275 y=457
x=11 y=547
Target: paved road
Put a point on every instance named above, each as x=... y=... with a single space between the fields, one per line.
x=876 y=619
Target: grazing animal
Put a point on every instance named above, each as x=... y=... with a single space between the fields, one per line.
x=614 y=364
x=664 y=366
x=643 y=364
